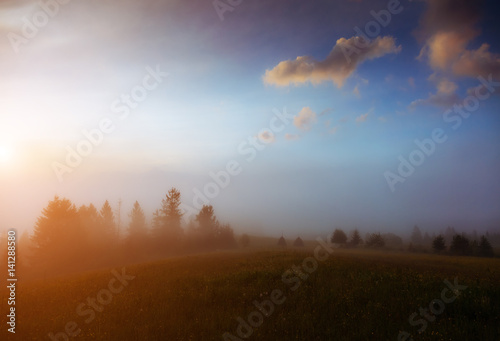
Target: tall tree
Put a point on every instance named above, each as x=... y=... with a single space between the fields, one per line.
x=460 y=245
x=355 y=239
x=57 y=236
x=485 y=249
x=168 y=219
x=90 y=220
x=438 y=244
x=137 y=227
x=107 y=223
x=207 y=221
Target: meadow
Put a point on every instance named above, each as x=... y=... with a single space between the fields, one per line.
x=350 y=295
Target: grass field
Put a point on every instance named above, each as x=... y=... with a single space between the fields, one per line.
x=352 y=295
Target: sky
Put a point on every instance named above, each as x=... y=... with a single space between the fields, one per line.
x=287 y=116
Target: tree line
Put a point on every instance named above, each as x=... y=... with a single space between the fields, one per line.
x=449 y=242
x=65 y=234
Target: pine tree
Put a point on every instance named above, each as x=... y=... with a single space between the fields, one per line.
x=438 y=244
x=355 y=239
x=137 y=226
x=207 y=222
x=168 y=219
x=460 y=245
x=58 y=236
x=485 y=249
x=107 y=223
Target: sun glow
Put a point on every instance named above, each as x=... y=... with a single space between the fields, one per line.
x=6 y=154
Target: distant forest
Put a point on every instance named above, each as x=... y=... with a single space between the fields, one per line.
x=449 y=242
x=66 y=237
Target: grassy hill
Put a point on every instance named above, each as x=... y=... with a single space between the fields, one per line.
x=352 y=295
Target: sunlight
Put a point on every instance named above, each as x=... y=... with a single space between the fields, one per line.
x=6 y=154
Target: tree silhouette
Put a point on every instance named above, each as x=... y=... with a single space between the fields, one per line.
x=107 y=223
x=207 y=221
x=212 y=233
x=355 y=239
x=282 y=241
x=137 y=226
x=90 y=220
x=298 y=242
x=225 y=236
x=167 y=220
x=485 y=249
x=460 y=245
x=392 y=240
x=375 y=240
x=339 y=237
x=438 y=244
x=57 y=236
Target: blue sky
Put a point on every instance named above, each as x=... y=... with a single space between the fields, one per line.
x=226 y=78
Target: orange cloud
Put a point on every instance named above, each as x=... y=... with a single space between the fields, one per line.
x=478 y=62
x=448 y=27
x=340 y=63
x=304 y=119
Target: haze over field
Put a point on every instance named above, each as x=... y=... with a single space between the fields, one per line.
x=308 y=121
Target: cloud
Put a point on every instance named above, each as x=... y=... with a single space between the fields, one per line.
x=449 y=16
x=445 y=96
x=266 y=136
x=364 y=117
x=305 y=119
x=446 y=87
x=448 y=27
x=341 y=62
x=382 y=119
x=478 y=62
